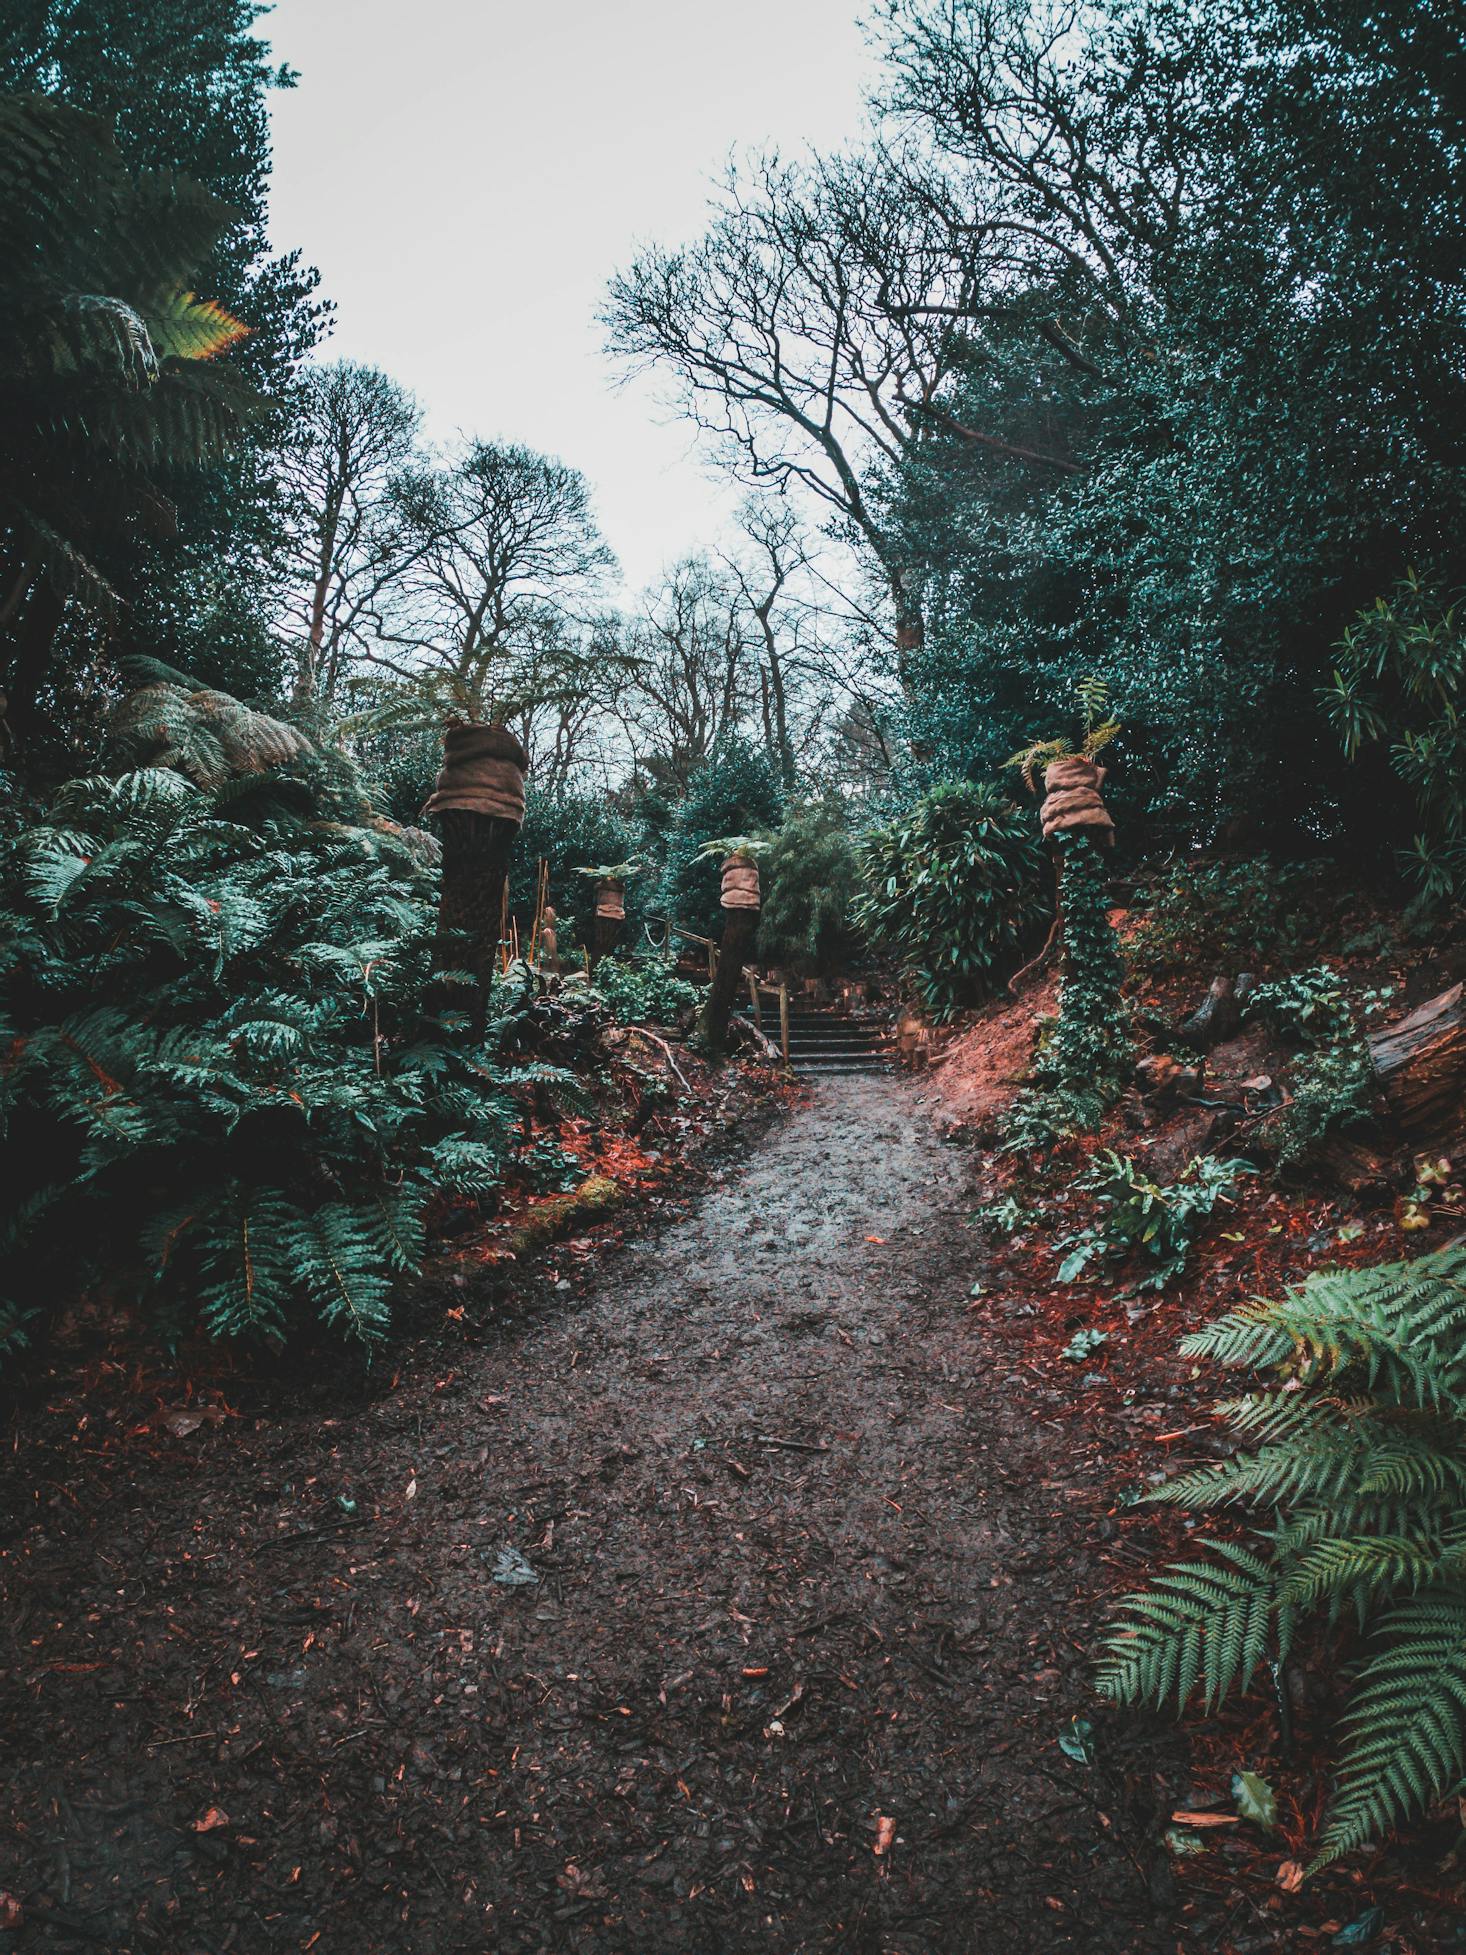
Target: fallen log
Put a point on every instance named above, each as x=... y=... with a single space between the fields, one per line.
x=1420 y=1063
x=1215 y=1019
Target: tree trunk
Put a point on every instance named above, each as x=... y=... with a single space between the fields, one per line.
x=739 y=928
x=476 y=852
x=604 y=937
x=1420 y=1062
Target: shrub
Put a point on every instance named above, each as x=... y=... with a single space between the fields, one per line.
x=217 y=1089
x=1355 y=1451
x=1157 y=1220
x=1332 y=1084
x=1401 y=678
x=734 y=792
x=810 y=878
x=1221 y=916
x=1310 y=1007
x=569 y=831
x=644 y=989
x=954 y=888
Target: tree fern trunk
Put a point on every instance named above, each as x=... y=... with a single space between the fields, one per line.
x=607 y=932
x=476 y=852
x=739 y=927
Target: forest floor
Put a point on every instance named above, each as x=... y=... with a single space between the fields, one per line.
x=735 y=1596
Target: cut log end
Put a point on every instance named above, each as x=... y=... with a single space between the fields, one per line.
x=1420 y=1063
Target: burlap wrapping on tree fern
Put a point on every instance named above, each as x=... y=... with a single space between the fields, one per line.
x=611 y=899
x=1072 y=799
x=482 y=772
x=740 y=884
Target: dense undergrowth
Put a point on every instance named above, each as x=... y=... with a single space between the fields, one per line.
x=1342 y=1492
x=223 y=1092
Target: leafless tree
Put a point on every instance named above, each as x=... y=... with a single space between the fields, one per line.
x=503 y=570
x=345 y=544
x=819 y=315
x=773 y=554
x=572 y=735
x=694 y=673
x=1089 y=125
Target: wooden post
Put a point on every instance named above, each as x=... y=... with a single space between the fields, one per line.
x=784 y=1020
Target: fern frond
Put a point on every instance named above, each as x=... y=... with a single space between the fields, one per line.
x=1401 y=1325
x=337 y=1254
x=1200 y=1621
x=1404 y=1734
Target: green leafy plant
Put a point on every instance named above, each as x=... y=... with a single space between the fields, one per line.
x=733 y=793
x=552 y=1170
x=1221 y=915
x=810 y=877
x=1331 y=1084
x=1092 y=694
x=1313 y=1007
x=1005 y=1216
x=1330 y=1090
x=566 y=831
x=1083 y=1057
x=108 y=373
x=1354 y=1450
x=218 y=1091
x=1401 y=678
x=1156 y=1220
x=644 y=989
x=954 y=887
x=611 y=871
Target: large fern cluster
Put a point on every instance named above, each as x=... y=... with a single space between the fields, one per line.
x=1356 y=1451
x=216 y=1086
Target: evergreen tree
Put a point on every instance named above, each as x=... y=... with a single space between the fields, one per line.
x=184 y=84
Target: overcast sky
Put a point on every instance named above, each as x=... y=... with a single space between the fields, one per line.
x=468 y=173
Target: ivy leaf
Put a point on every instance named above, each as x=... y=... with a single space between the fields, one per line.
x=1255 y=1800
x=1078 y=1741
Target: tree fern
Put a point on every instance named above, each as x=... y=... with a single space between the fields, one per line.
x=1360 y=1456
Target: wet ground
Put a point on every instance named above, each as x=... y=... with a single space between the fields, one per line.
x=738 y=1603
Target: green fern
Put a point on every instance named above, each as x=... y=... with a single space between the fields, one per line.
x=211 y=1015
x=1360 y=1454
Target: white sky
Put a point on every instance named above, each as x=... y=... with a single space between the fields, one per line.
x=468 y=173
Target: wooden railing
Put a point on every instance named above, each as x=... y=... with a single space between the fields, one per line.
x=756 y=984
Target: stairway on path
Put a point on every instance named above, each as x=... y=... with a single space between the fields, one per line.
x=826 y=1043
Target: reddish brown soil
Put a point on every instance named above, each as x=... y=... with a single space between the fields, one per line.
x=817 y=1548
x=977 y=1071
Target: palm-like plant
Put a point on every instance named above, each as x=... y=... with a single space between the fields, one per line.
x=1357 y=1448
x=106 y=362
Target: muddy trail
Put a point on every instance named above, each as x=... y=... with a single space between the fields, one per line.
x=739 y=1604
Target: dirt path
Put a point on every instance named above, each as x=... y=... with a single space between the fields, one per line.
x=803 y=1561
